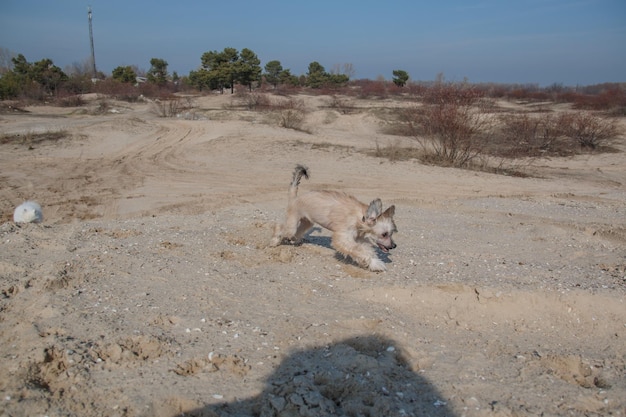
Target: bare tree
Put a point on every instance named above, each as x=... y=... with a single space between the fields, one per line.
x=76 y=68
x=346 y=69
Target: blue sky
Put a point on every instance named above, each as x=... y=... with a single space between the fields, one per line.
x=577 y=42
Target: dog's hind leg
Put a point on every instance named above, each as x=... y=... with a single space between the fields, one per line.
x=292 y=230
x=277 y=238
x=304 y=226
x=295 y=227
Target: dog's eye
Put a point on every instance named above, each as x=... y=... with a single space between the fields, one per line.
x=385 y=234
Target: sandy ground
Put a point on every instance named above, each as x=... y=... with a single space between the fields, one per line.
x=149 y=289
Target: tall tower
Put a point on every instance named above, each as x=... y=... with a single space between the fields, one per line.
x=93 y=54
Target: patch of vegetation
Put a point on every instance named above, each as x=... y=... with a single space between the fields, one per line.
x=331 y=147
x=7 y=107
x=451 y=125
x=103 y=107
x=287 y=112
x=291 y=119
x=455 y=125
x=393 y=151
x=172 y=107
x=31 y=138
x=255 y=101
x=340 y=104
x=70 y=101
x=551 y=134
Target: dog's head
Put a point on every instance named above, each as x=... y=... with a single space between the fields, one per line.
x=379 y=225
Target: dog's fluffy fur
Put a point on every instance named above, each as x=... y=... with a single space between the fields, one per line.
x=356 y=227
x=28 y=212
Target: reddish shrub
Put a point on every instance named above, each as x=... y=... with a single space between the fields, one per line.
x=588 y=130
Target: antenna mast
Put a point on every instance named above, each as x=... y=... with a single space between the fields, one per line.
x=93 y=54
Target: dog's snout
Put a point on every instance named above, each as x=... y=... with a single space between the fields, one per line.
x=393 y=245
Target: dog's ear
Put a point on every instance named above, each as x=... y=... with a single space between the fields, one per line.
x=373 y=211
x=390 y=211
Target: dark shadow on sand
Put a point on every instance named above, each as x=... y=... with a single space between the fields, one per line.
x=360 y=376
x=324 y=241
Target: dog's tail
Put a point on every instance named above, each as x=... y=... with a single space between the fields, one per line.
x=298 y=173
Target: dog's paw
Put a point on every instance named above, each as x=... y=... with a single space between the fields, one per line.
x=276 y=241
x=377 y=265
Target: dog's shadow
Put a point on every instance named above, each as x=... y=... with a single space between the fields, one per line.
x=325 y=241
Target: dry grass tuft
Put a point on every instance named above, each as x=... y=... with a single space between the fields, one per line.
x=31 y=138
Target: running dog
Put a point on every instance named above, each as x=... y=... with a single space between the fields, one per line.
x=357 y=228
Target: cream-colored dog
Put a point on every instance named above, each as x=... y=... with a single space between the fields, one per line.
x=356 y=227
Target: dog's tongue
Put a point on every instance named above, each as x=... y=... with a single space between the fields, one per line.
x=382 y=248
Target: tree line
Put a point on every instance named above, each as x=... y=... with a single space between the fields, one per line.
x=218 y=70
x=28 y=78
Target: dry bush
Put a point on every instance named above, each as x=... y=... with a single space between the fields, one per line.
x=282 y=103
x=612 y=99
x=103 y=107
x=528 y=93
x=370 y=88
x=131 y=92
x=32 y=138
x=551 y=131
x=153 y=90
x=339 y=104
x=449 y=93
x=456 y=126
x=520 y=129
x=118 y=90
x=588 y=130
x=393 y=151
x=415 y=89
x=11 y=106
x=410 y=120
x=291 y=119
x=289 y=112
x=70 y=101
x=171 y=107
x=401 y=121
x=452 y=126
x=255 y=101
x=452 y=135
x=327 y=90
x=524 y=135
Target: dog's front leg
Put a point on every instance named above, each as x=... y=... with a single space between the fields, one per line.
x=362 y=254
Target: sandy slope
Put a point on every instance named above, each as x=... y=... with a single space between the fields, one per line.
x=149 y=288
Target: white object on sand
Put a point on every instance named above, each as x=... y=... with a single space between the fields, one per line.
x=28 y=212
